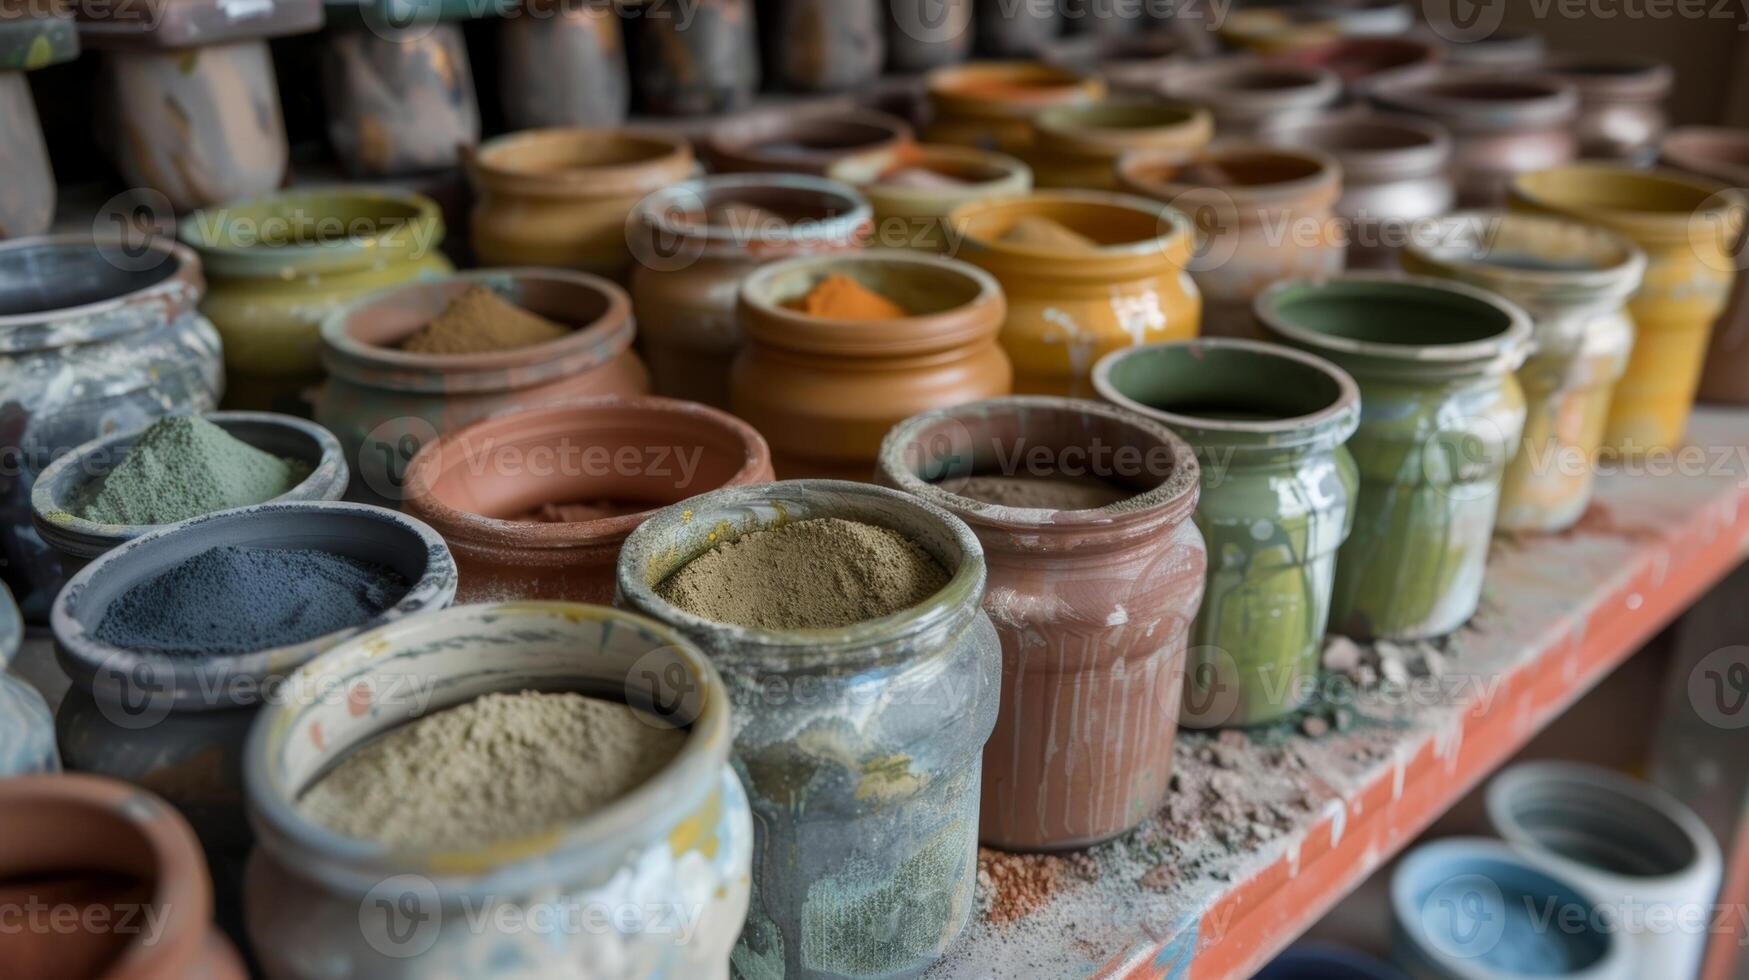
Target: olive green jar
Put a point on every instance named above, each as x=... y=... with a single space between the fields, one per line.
x=1268 y=424
x=1441 y=416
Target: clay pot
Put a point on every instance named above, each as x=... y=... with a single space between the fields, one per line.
x=1434 y=361
x=278 y=265
x=687 y=279
x=27 y=729
x=1093 y=608
x=707 y=63
x=1132 y=64
x=562 y=64
x=1268 y=425
x=559 y=197
x=1500 y=52
x=1573 y=280
x=1261 y=214
x=27 y=43
x=804 y=143
x=1500 y=127
x=1247 y=94
x=73 y=839
x=989 y=105
x=827 y=46
x=825 y=391
x=1014 y=30
x=1274 y=29
x=1367 y=64
x=1688 y=227
x=1721 y=155
x=1621 y=104
x=925 y=34
x=916 y=217
x=398 y=102
x=1067 y=306
x=482 y=485
x=1078 y=146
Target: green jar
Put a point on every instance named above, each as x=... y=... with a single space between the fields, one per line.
x=1441 y=416
x=1268 y=425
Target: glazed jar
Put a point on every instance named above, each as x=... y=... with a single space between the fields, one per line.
x=1500 y=127
x=824 y=391
x=925 y=34
x=1067 y=306
x=383 y=403
x=398 y=97
x=1261 y=214
x=29 y=43
x=174 y=722
x=916 y=217
x=687 y=277
x=1721 y=155
x=27 y=729
x=93 y=339
x=1573 y=280
x=278 y=265
x=1395 y=172
x=1246 y=94
x=600 y=896
x=860 y=746
x=704 y=60
x=559 y=197
x=827 y=46
x=1078 y=146
x=74 y=827
x=990 y=104
x=484 y=485
x=1014 y=30
x=806 y=142
x=1621 y=103
x=1132 y=64
x=1367 y=64
x=562 y=64
x=1441 y=417
x=1687 y=226
x=1275 y=29
x=1093 y=607
x=1268 y=425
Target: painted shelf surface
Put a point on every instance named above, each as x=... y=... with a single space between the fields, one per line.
x=1265 y=830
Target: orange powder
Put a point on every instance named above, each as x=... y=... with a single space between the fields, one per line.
x=839 y=297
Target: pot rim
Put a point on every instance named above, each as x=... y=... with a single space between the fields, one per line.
x=488 y=169
x=655 y=210
x=1653 y=225
x=1211 y=83
x=1315 y=191
x=1429 y=157
x=1506 y=347
x=1624 y=76
x=203 y=230
x=1540 y=100
x=849 y=170
x=947 y=85
x=737 y=145
x=1100 y=49
x=1687 y=148
x=1082 y=122
x=1177 y=234
x=178 y=291
x=1438 y=246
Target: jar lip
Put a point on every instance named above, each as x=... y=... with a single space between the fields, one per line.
x=416 y=232
x=663 y=151
x=657 y=209
x=1177 y=228
x=1717 y=152
x=1267 y=83
x=1095 y=118
x=1060 y=83
x=742 y=144
x=1459 y=245
x=1324 y=181
x=864 y=171
x=1506 y=346
x=1427 y=150
x=1561 y=190
x=1626 y=75
x=183 y=277
x=1487 y=100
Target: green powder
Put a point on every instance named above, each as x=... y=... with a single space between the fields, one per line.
x=183 y=467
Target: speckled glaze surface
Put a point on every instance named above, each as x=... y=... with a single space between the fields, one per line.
x=652 y=885
x=27 y=730
x=1572 y=280
x=1093 y=608
x=1268 y=424
x=916 y=217
x=1078 y=146
x=860 y=747
x=1500 y=126
x=989 y=104
x=89 y=346
x=397 y=101
x=1721 y=155
x=1441 y=417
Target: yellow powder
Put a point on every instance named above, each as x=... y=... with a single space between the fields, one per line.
x=480 y=321
x=1044 y=233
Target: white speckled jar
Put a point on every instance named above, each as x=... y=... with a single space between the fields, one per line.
x=27 y=730
x=652 y=885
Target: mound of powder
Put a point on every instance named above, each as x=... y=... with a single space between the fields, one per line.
x=499 y=766
x=182 y=467
x=839 y=297
x=480 y=321
x=239 y=600
x=815 y=574
x=1052 y=492
x=1045 y=233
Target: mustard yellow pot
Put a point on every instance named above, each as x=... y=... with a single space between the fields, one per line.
x=990 y=104
x=1078 y=145
x=1685 y=225
x=908 y=214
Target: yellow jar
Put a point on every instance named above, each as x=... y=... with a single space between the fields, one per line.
x=1078 y=146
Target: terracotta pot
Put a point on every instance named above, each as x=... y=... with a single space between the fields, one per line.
x=990 y=105
x=925 y=34
x=806 y=142
x=1078 y=146
x=1246 y=94
x=483 y=485
x=1014 y=30
x=824 y=391
x=1261 y=215
x=1067 y=307
x=1621 y=103
x=1132 y=64
x=688 y=274
x=384 y=403
x=827 y=46
x=397 y=102
x=28 y=43
x=559 y=197
x=1093 y=608
x=705 y=63
x=74 y=838
x=1687 y=226
x=562 y=64
x=916 y=217
x=1367 y=64
x=1721 y=155
x=1500 y=127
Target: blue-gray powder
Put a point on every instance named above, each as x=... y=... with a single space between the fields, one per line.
x=239 y=600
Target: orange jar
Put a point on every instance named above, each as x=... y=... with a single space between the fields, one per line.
x=824 y=391
x=990 y=105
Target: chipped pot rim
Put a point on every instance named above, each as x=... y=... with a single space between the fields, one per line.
x=178 y=290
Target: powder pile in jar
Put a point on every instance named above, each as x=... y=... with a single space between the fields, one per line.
x=1044 y=491
x=480 y=321
x=839 y=297
x=815 y=574
x=182 y=467
x=500 y=766
x=1041 y=232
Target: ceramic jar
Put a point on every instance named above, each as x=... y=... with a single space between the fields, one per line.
x=278 y=265
x=1274 y=29
x=806 y=142
x=1721 y=155
x=1573 y=280
x=1093 y=607
x=1500 y=127
x=1014 y=31
x=27 y=729
x=989 y=105
x=383 y=403
x=860 y=746
x=1268 y=424
x=687 y=277
x=1687 y=227
x=705 y=63
x=907 y=216
x=559 y=197
x=1621 y=103
x=562 y=64
x=1367 y=64
x=826 y=46
x=93 y=338
x=612 y=888
x=824 y=391
x=1501 y=52
x=397 y=88
x=1247 y=94
x=1078 y=146
x=28 y=43
x=925 y=34
x=1261 y=214
x=614 y=459
x=1441 y=417
x=1132 y=64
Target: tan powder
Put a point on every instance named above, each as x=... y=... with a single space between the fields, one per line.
x=1044 y=233
x=480 y=321
x=500 y=766
x=816 y=574
x=1054 y=492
